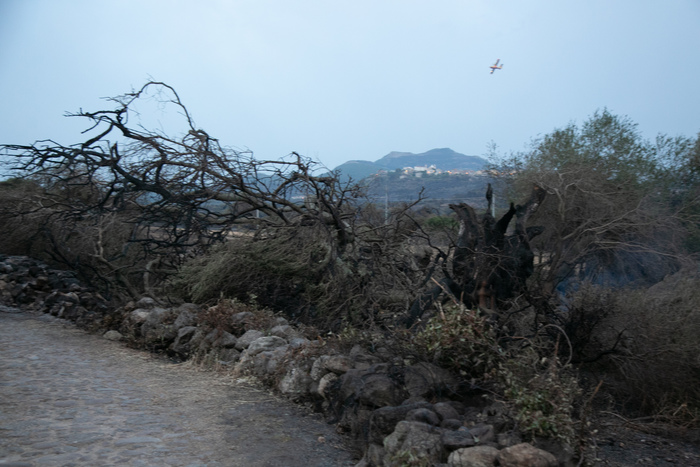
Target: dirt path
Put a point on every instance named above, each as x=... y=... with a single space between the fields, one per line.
x=68 y=398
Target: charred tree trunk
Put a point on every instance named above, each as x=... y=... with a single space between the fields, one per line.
x=488 y=266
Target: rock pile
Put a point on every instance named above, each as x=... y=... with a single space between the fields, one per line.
x=396 y=412
x=32 y=284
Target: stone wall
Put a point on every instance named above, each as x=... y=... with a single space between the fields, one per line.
x=395 y=413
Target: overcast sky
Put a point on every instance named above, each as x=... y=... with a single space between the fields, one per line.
x=338 y=80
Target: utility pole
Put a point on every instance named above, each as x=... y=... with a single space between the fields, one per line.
x=386 y=199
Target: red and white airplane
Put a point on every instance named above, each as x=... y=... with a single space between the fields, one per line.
x=495 y=66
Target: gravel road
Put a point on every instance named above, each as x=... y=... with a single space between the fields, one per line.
x=69 y=398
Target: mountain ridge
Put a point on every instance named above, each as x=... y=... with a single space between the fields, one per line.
x=441 y=158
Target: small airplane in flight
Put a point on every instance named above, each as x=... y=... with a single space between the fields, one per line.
x=495 y=66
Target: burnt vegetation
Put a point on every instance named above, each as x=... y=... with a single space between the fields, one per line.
x=599 y=218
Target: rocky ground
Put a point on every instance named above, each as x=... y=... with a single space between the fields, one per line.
x=618 y=442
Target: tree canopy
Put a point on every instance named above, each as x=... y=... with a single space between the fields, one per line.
x=607 y=217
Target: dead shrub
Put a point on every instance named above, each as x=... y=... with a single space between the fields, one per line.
x=220 y=317
x=300 y=271
x=54 y=224
x=655 y=369
x=278 y=270
x=585 y=311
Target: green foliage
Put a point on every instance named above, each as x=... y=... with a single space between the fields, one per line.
x=607 y=143
x=408 y=458
x=541 y=393
x=462 y=341
x=441 y=223
x=604 y=218
x=680 y=157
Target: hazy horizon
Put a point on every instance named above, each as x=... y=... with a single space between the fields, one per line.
x=340 y=81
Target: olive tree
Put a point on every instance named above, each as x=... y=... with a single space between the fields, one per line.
x=603 y=216
x=609 y=222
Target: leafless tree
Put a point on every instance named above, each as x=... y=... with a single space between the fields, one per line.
x=173 y=196
x=178 y=194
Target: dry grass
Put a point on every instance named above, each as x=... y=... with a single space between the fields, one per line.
x=656 y=366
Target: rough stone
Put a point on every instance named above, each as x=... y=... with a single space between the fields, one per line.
x=525 y=455
x=247 y=338
x=197 y=343
x=326 y=381
x=264 y=344
x=262 y=363
x=113 y=335
x=383 y=420
x=373 y=386
x=241 y=320
x=453 y=440
x=483 y=433
x=281 y=321
x=225 y=356
x=284 y=331
x=338 y=364
x=423 y=415
x=318 y=368
x=426 y=379
x=375 y=454
x=182 y=344
x=224 y=340
x=186 y=316
x=295 y=383
x=158 y=329
x=146 y=302
x=445 y=410
x=421 y=440
x=298 y=342
x=362 y=360
x=508 y=439
x=564 y=452
x=139 y=316
x=451 y=424
x=477 y=456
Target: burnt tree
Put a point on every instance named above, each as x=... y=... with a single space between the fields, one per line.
x=489 y=266
x=171 y=196
x=131 y=207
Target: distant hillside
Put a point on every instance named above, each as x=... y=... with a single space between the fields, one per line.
x=443 y=159
x=357 y=170
x=437 y=189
